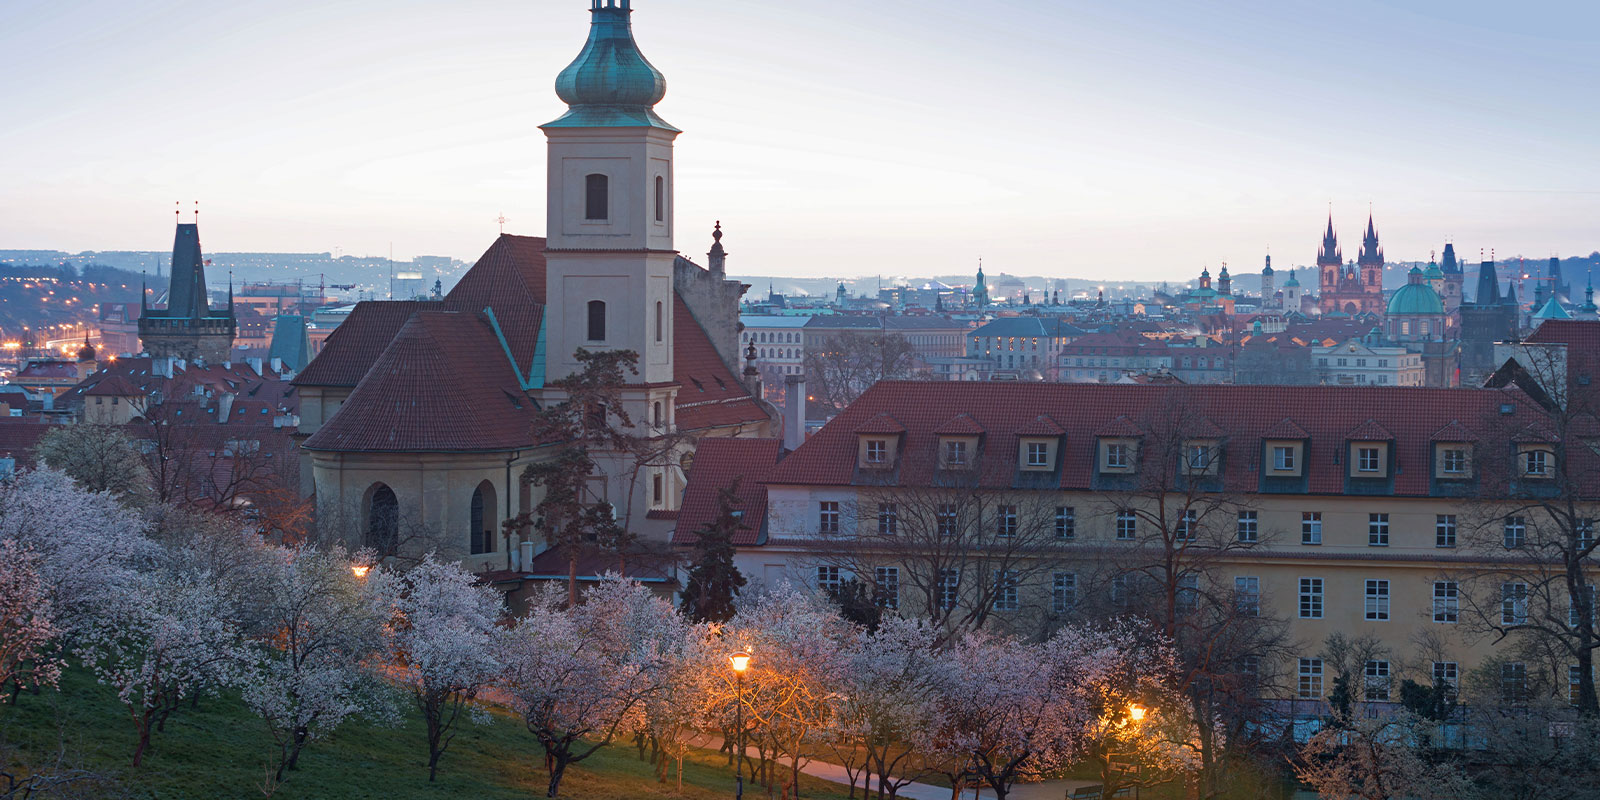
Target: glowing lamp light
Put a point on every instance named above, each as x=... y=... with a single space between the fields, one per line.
x=740 y=661
x=359 y=570
x=1136 y=712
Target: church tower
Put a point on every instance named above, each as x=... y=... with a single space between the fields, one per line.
x=1268 y=286
x=609 y=211
x=1329 y=262
x=1371 y=264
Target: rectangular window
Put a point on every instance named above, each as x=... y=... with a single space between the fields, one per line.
x=1537 y=463
x=1063 y=591
x=948 y=518
x=1455 y=461
x=1514 y=683
x=596 y=201
x=1119 y=589
x=1066 y=523
x=1005 y=521
x=887 y=587
x=828 y=579
x=1283 y=459
x=1188 y=595
x=1376 y=685
x=1585 y=534
x=1184 y=531
x=955 y=453
x=1117 y=456
x=1377 y=530
x=828 y=516
x=1311 y=527
x=1005 y=590
x=888 y=519
x=1248 y=530
x=1516 y=532
x=1311 y=598
x=1446 y=601
x=1310 y=679
x=1367 y=459
x=1250 y=667
x=1199 y=457
x=1574 y=683
x=1038 y=454
x=877 y=451
x=1127 y=524
x=1582 y=606
x=1247 y=595
x=1513 y=603
x=1444 y=530
x=1378 y=600
x=949 y=588
x=1448 y=675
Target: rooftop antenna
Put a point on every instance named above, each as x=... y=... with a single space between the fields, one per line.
x=502 y=220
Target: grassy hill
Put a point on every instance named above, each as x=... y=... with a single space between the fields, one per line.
x=220 y=750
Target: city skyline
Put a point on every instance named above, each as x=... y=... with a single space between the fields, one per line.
x=1216 y=133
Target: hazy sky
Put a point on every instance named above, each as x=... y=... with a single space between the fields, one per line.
x=831 y=137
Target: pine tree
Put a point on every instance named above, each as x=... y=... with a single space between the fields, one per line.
x=714 y=580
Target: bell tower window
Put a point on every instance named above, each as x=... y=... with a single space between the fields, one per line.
x=597 y=320
x=596 y=196
x=661 y=199
x=658 y=320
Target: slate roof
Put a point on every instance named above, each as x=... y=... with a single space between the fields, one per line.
x=717 y=463
x=1027 y=326
x=442 y=385
x=1328 y=415
x=358 y=341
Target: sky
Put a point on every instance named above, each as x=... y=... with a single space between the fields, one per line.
x=1128 y=139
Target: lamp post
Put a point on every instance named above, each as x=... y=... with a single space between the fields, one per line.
x=740 y=661
x=1136 y=714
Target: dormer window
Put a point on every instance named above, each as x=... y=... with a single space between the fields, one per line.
x=1117 y=456
x=877 y=451
x=1283 y=458
x=1367 y=459
x=1038 y=454
x=1200 y=457
x=1536 y=463
x=955 y=453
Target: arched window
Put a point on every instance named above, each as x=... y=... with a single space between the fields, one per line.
x=597 y=320
x=482 y=514
x=596 y=196
x=661 y=199
x=658 y=317
x=383 y=520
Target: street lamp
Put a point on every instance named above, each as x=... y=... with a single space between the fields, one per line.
x=1136 y=712
x=740 y=662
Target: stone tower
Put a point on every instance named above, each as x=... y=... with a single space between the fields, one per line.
x=188 y=328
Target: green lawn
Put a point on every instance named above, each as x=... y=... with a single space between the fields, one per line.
x=221 y=751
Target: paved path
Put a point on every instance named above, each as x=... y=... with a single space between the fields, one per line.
x=1047 y=790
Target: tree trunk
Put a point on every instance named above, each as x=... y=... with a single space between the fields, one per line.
x=572 y=582
x=556 y=771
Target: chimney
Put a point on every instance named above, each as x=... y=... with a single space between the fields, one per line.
x=524 y=556
x=224 y=407
x=794 y=411
x=255 y=364
x=277 y=365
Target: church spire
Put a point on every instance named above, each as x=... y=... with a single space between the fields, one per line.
x=610 y=84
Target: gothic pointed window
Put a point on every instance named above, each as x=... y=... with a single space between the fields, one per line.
x=596 y=196
x=597 y=320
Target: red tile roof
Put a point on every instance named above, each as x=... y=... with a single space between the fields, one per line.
x=1042 y=425
x=882 y=423
x=1285 y=429
x=1582 y=338
x=18 y=437
x=1120 y=427
x=709 y=396
x=1454 y=432
x=1369 y=431
x=1409 y=416
x=358 y=341
x=442 y=385
x=960 y=425
x=510 y=278
x=717 y=463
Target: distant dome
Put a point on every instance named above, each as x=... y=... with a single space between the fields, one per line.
x=1417 y=299
x=1433 y=273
